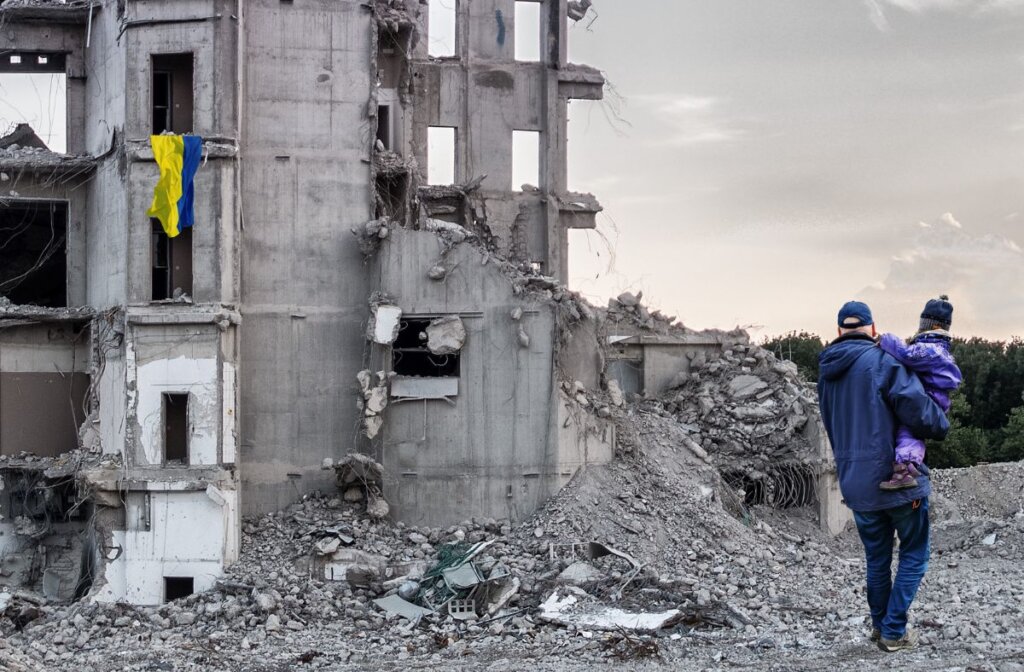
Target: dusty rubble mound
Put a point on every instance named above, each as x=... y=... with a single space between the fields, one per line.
x=674 y=576
x=664 y=554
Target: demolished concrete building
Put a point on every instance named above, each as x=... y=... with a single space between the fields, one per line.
x=363 y=276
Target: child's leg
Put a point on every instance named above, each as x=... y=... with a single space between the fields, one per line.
x=909 y=449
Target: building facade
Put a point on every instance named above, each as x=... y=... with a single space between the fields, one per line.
x=356 y=202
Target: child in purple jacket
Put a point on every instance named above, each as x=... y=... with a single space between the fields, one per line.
x=926 y=354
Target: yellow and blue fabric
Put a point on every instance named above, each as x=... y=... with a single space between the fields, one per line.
x=178 y=157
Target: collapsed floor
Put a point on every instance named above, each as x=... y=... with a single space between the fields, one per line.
x=721 y=584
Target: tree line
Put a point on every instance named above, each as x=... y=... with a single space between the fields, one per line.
x=987 y=415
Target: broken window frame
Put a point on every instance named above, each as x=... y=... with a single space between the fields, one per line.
x=18 y=62
x=407 y=345
x=53 y=258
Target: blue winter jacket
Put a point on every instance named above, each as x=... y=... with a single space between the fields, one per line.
x=864 y=394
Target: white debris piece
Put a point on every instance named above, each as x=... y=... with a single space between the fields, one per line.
x=383 y=325
x=570 y=611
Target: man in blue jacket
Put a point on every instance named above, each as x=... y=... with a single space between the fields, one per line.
x=864 y=394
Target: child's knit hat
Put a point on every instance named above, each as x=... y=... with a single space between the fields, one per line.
x=937 y=314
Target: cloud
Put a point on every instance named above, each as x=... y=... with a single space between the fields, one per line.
x=877 y=15
x=948 y=218
x=693 y=120
x=982 y=273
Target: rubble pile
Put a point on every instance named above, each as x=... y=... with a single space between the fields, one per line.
x=752 y=416
x=635 y=559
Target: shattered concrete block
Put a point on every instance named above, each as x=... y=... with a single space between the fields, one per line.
x=570 y=610
x=376 y=400
x=628 y=299
x=579 y=574
x=372 y=425
x=383 y=325
x=577 y=9
x=615 y=392
x=446 y=335
x=376 y=506
x=746 y=385
x=695 y=448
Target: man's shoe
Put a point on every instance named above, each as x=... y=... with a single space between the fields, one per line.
x=875 y=635
x=907 y=641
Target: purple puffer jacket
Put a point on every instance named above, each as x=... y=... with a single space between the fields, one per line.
x=928 y=356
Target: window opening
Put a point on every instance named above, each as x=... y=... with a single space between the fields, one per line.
x=411 y=357
x=391 y=58
x=176 y=428
x=391 y=196
x=177 y=587
x=440 y=155
x=525 y=159
x=527 y=31
x=33 y=252
x=172 y=94
x=441 y=23
x=34 y=97
x=384 y=126
x=172 y=263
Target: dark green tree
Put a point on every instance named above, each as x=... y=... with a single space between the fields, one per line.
x=1011 y=446
x=965 y=444
x=801 y=347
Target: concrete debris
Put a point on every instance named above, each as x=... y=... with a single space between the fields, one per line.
x=446 y=335
x=373 y=400
x=393 y=604
x=450 y=234
x=570 y=610
x=615 y=393
x=524 y=338
x=745 y=386
x=371 y=233
x=577 y=9
x=715 y=588
x=384 y=324
x=437 y=272
x=361 y=478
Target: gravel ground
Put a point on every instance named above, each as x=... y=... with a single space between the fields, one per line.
x=799 y=593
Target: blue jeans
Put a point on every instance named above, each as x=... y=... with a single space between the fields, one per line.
x=890 y=600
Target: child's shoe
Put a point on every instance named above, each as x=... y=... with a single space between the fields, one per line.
x=903 y=477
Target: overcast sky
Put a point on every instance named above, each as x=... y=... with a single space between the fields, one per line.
x=775 y=159
x=765 y=161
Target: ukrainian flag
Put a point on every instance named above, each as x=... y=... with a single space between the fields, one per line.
x=178 y=158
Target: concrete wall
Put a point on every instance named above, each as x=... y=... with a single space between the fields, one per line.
x=507 y=441
x=178 y=359
x=485 y=94
x=833 y=514
x=305 y=183
x=176 y=533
